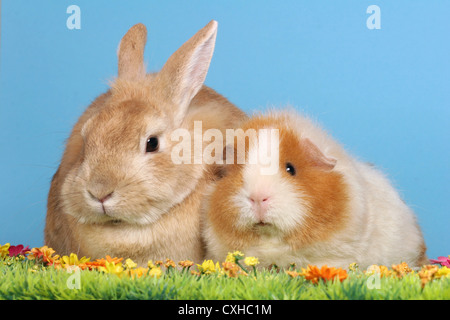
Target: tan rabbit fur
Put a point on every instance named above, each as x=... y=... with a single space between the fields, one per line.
x=111 y=197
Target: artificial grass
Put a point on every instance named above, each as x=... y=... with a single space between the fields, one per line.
x=26 y=279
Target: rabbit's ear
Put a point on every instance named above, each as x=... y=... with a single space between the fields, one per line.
x=185 y=71
x=131 y=53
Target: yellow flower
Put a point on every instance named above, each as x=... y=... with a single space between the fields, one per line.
x=150 y=264
x=4 y=250
x=208 y=267
x=155 y=272
x=72 y=260
x=353 y=267
x=130 y=264
x=443 y=272
x=111 y=267
x=137 y=272
x=234 y=256
x=251 y=261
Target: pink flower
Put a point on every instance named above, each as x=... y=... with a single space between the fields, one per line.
x=443 y=261
x=18 y=250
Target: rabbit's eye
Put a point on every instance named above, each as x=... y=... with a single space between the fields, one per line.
x=290 y=169
x=152 y=144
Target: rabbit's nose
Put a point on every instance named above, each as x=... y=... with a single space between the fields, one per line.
x=101 y=197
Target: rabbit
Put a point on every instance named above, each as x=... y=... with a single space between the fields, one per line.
x=320 y=207
x=117 y=191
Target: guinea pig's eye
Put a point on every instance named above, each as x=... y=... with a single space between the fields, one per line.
x=152 y=144
x=290 y=169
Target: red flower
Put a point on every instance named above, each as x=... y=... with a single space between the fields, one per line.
x=443 y=261
x=18 y=250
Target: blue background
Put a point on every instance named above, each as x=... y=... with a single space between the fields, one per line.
x=383 y=93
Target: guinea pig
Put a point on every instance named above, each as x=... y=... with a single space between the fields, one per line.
x=320 y=206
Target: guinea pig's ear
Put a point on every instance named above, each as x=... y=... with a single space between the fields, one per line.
x=131 y=53
x=316 y=157
x=185 y=71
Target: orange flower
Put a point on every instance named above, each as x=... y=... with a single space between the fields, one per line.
x=313 y=273
x=170 y=264
x=186 y=263
x=427 y=273
x=231 y=269
x=109 y=259
x=92 y=265
x=45 y=253
x=99 y=263
x=401 y=269
x=292 y=274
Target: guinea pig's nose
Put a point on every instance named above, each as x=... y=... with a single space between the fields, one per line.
x=259 y=198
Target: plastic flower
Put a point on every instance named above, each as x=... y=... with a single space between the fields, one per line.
x=313 y=273
x=208 y=267
x=109 y=259
x=427 y=274
x=353 y=267
x=401 y=269
x=170 y=264
x=18 y=250
x=382 y=270
x=186 y=263
x=234 y=256
x=292 y=273
x=136 y=272
x=443 y=261
x=130 y=264
x=73 y=260
x=251 y=261
x=92 y=265
x=4 y=250
x=231 y=269
x=155 y=272
x=113 y=268
x=45 y=253
x=443 y=272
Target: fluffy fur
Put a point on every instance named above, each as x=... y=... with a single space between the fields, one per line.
x=335 y=210
x=111 y=197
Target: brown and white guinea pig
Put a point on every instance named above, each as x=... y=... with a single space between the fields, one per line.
x=118 y=191
x=321 y=206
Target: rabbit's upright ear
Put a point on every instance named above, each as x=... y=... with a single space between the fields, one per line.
x=185 y=71
x=131 y=53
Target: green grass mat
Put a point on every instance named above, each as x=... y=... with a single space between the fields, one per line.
x=23 y=278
